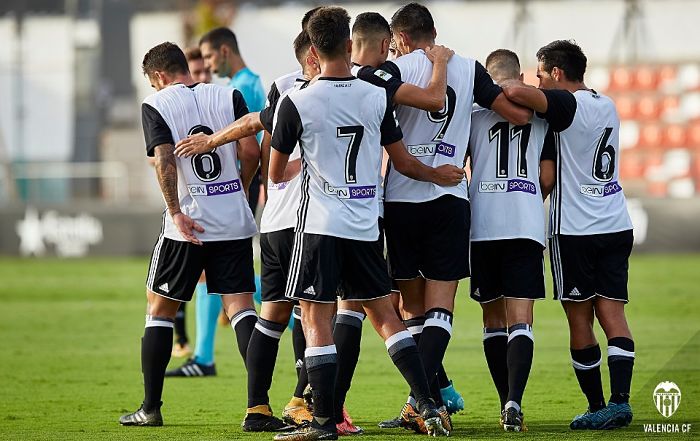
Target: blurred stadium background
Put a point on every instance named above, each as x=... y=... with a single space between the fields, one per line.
x=73 y=176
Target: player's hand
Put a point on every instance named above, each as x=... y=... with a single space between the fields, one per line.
x=448 y=175
x=439 y=53
x=193 y=145
x=188 y=227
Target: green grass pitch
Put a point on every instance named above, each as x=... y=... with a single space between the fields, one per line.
x=70 y=334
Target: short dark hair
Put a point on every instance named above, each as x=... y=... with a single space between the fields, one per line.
x=302 y=43
x=329 y=29
x=566 y=55
x=193 y=53
x=166 y=57
x=219 y=37
x=415 y=20
x=308 y=15
x=369 y=23
x=503 y=63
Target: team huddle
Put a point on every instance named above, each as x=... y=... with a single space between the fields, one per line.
x=344 y=238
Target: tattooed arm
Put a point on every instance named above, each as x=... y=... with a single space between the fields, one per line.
x=166 y=171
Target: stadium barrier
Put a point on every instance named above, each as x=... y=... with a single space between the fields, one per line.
x=79 y=230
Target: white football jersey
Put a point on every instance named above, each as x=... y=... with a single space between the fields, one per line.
x=587 y=198
x=506 y=200
x=280 y=210
x=436 y=138
x=341 y=125
x=209 y=184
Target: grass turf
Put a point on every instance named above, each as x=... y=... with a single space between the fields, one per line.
x=70 y=334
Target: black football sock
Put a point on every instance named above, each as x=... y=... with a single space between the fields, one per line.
x=433 y=344
x=180 y=328
x=442 y=379
x=404 y=353
x=415 y=327
x=586 y=364
x=496 y=352
x=243 y=322
x=260 y=360
x=156 y=346
x=321 y=363
x=347 y=335
x=620 y=364
x=520 y=349
x=299 y=345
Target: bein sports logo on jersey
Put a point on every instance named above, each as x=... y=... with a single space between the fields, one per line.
x=600 y=191
x=215 y=189
x=358 y=192
x=509 y=186
x=442 y=148
x=667 y=398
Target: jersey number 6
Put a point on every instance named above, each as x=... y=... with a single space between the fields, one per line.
x=206 y=166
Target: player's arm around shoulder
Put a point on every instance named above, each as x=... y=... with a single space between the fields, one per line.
x=556 y=106
x=432 y=97
x=491 y=96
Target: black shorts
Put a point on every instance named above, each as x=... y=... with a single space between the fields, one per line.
x=324 y=268
x=275 y=254
x=512 y=268
x=428 y=239
x=176 y=266
x=588 y=266
x=381 y=244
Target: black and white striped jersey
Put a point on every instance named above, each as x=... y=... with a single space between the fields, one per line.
x=341 y=125
x=587 y=197
x=209 y=184
x=434 y=138
x=505 y=194
x=280 y=210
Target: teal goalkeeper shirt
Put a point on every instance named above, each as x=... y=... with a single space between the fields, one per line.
x=252 y=90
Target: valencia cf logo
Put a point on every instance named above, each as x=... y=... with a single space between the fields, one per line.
x=667 y=398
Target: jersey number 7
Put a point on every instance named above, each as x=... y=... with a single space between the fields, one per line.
x=355 y=133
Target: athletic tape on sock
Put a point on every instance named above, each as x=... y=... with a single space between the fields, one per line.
x=240 y=315
x=520 y=329
x=317 y=356
x=415 y=324
x=350 y=318
x=399 y=341
x=495 y=332
x=161 y=322
x=296 y=312
x=439 y=317
x=271 y=329
x=586 y=359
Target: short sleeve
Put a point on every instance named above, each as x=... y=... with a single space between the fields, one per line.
x=273 y=96
x=240 y=108
x=267 y=117
x=155 y=129
x=561 y=109
x=288 y=128
x=549 y=151
x=390 y=130
x=387 y=76
x=485 y=90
